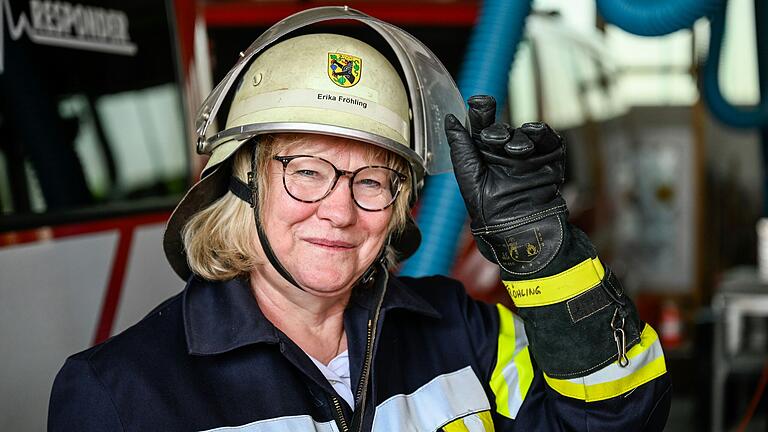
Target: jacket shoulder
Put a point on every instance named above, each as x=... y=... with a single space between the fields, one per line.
x=448 y=296
x=433 y=286
x=159 y=329
x=84 y=395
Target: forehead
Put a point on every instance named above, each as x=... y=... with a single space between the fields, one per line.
x=335 y=148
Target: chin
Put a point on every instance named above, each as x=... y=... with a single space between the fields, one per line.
x=326 y=283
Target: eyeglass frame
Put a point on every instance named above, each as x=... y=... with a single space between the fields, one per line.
x=285 y=160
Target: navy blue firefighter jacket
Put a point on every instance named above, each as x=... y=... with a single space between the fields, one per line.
x=431 y=359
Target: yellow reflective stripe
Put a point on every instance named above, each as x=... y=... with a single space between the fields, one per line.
x=513 y=372
x=505 y=352
x=646 y=363
x=485 y=417
x=524 y=370
x=554 y=289
x=598 y=392
x=477 y=422
x=456 y=426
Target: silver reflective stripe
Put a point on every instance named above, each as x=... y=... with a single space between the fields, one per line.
x=478 y=422
x=646 y=362
x=440 y=401
x=283 y=424
x=643 y=355
x=614 y=372
x=511 y=372
x=474 y=424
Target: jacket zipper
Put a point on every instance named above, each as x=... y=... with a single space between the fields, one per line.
x=342 y=423
x=362 y=389
x=360 y=395
x=340 y=420
x=366 y=361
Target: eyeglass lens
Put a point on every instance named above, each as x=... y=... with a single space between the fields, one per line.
x=310 y=179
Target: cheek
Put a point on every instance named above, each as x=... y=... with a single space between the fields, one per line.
x=280 y=210
x=280 y=213
x=377 y=225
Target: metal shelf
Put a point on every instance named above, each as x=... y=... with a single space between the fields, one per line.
x=736 y=300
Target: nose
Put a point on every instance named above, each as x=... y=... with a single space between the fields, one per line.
x=338 y=207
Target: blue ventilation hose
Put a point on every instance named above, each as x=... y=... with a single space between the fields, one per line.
x=485 y=70
x=660 y=17
x=720 y=107
x=656 y=17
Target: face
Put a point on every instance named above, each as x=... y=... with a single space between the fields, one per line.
x=326 y=245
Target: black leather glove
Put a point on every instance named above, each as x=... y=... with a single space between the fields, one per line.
x=576 y=316
x=510 y=179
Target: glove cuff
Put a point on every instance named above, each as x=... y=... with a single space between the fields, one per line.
x=526 y=245
x=577 y=321
x=576 y=315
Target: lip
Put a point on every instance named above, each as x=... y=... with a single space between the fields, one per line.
x=336 y=245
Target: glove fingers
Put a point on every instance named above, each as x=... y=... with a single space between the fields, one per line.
x=520 y=146
x=495 y=136
x=482 y=113
x=466 y=158
x=546 y=139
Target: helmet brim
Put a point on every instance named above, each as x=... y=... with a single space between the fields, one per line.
x=202 y=194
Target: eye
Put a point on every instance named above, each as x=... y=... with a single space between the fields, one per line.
x=369 y=183
x=306 y=173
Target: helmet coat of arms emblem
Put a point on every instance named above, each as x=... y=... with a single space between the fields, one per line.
x=344 y=69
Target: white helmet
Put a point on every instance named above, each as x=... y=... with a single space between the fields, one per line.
x=325 y=84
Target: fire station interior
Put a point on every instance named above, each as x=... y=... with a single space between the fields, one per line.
x=667 y=167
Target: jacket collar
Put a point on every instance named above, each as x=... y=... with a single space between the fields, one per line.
x=222 y=316
x=398 y=296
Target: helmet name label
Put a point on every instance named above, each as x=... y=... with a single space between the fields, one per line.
x=342 y=99
x=323 y=100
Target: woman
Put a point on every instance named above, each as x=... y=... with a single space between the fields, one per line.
x=291 y=321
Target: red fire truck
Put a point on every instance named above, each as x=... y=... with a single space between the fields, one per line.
x=94 y=154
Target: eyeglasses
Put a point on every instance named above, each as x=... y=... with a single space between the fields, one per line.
x=309 y=179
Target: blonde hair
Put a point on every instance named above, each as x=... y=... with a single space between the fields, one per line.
x=220 y=240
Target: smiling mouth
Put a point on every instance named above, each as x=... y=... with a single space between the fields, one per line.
x=330 y=244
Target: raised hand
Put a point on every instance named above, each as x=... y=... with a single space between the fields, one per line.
x=509 y=178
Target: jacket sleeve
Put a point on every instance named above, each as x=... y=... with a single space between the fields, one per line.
x=80 y=402
x=634 y=397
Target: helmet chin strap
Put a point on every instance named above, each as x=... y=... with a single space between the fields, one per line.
x=249 y=193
